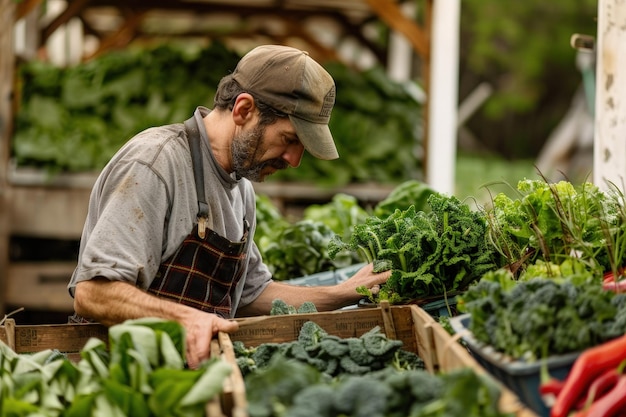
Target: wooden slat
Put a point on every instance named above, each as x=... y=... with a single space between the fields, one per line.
x=237 y=395
x=390 y=13
x=25 y=7
x=7 y=64
x=63 y=337
x=342 y=323
x=452 y=355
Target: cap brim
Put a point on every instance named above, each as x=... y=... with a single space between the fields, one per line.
x=316 y=138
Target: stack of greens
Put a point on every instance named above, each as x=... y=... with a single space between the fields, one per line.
x=324 y=375
x=297 y=249
x=553 y=223
x=142 y=374
x=300 y=248
x=430 y=253
x=540 y=316
x=73 y=119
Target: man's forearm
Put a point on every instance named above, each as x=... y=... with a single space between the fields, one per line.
x=112 y=302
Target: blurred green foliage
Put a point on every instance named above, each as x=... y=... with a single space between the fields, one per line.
x=523 y=50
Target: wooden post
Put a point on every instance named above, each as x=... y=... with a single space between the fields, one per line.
x=7 y=63
x=609 y=159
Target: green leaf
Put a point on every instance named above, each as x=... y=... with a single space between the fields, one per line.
x=209 y=384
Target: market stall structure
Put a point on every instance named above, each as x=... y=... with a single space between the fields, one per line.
x=34 y=206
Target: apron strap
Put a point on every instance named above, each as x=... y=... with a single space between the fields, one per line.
x=193 y=137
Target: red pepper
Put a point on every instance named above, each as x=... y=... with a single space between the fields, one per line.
x=550 y=389
x=588 y=366
x=603 y=384
x=552 y=386
x=610 y=284
x=612 y=403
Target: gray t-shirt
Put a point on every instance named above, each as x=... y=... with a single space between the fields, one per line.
x=144 y=204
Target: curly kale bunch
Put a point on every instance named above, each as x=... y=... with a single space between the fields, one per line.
x=537 y=317
x=430 y=253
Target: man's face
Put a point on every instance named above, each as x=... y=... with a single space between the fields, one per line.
x=261 y=151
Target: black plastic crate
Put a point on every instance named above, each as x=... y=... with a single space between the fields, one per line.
x=521 y=377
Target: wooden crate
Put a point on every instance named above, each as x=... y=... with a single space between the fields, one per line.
x=71 y=338
x=411 y=324
x=417 y=329
x=405 y=323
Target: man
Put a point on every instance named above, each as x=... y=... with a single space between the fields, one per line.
x=171 y=220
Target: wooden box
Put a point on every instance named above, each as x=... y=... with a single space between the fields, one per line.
x=71 y=338
x=417 y=329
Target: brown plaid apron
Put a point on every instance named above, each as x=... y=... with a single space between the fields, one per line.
x=206 y=267
x=202 y=272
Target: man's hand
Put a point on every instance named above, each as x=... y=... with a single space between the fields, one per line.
x=200 y=329
x=367 y=278
x=112 y=302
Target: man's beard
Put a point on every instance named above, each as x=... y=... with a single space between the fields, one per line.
x=246 y=149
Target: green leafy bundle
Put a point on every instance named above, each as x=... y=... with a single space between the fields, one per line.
x=288 y=388
x=297 y=249
x=534 y=318
x=142 y=374
x=553 y=222
x=74 y=119
x=331 y=354
x=430 y=253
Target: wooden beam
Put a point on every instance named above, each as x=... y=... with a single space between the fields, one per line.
x=391 y=14
x=7 y=92
x=25 y=7
x=73 y=9
x=122 y=37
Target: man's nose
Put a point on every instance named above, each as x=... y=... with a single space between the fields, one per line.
x=293 y=154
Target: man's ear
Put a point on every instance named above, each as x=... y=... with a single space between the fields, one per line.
x=244 y=110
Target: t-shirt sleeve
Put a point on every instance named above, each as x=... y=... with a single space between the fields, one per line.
x=125 y=243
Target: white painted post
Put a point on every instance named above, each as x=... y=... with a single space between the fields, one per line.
x=443 y=96
x=400 y=53
x=609 y=159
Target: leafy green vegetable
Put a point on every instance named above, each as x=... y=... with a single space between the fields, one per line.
x=341 y=214
x=300 y=249
x=74 y=119
x=429 y=254
x=409 y=193
x=280 y=307
x=330 y=354
x=536 y=317
x=294 y=389
x=554 y=222
x=142 y=374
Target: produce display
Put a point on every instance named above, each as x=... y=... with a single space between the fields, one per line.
x=324 y=375
x=432 y=252
x=297 y=249
x=141 y=373
x=294 y=249
x=540 y=272
x=73 y=119
x=534 y=318
x=557 y=296
x=555 y=222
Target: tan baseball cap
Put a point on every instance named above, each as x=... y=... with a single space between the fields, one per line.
x=292 y=82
